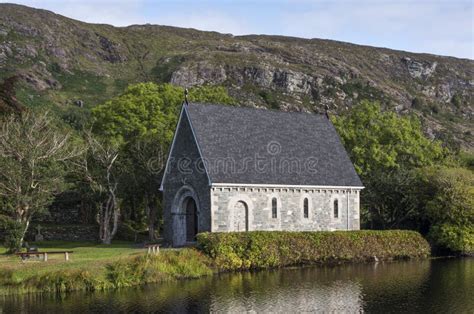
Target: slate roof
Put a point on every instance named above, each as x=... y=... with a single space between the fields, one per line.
x=259 y=146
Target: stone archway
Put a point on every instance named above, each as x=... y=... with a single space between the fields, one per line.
x=241 y=216
x=185 y=216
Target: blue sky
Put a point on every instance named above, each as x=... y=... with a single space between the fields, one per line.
x=444 y=27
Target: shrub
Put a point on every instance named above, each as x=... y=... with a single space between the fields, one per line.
x=451 y=197
x=450 y=208
x=13 y=233
x=6 y=277
x=454 y=238
x=261 y=249
x=186 y=263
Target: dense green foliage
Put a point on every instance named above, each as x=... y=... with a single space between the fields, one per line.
x=148 y=109
x=385 y=149
x=449 y=194
x=260 y=249
x=13 y=231
x=411 y=182
x=455 y=238
x=378 y=140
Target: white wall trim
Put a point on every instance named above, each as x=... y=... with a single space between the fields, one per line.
x=322 y=187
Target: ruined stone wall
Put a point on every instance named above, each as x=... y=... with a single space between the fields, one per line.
x=56 y=232
x=290 y=208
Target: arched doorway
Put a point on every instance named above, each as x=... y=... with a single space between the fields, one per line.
x=190 y=209
x=185 y=216
x=241 y=216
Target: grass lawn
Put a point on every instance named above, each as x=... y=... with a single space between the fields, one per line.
x=89 y=256
x=95 y=266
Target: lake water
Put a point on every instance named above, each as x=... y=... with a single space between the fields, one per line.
x=436 y=286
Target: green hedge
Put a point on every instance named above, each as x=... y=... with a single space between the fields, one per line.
x=262 y=249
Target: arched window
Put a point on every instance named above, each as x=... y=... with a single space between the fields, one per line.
x=336 y=209
x=274 y=208
x=306 y=207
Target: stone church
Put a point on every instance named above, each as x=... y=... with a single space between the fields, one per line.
x=236 y=169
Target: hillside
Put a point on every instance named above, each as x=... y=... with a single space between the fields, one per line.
x=68 y=63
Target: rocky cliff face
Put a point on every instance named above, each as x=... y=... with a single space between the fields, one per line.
x=64 y=61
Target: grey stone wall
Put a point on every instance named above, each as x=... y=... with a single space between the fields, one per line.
x=290 y=215
x=65 y=232
x=185 y=169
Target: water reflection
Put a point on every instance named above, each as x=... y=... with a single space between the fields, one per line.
x=440 y=286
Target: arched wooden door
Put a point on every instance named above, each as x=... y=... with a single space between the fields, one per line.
x=191 y=219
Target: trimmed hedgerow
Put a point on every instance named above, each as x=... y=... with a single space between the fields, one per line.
x=262 y=249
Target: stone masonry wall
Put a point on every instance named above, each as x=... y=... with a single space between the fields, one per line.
x=290 y=215
x=184 y=171
x=65 y=232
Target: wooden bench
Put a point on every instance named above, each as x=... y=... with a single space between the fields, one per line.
x=152 y=248
x=26 y=255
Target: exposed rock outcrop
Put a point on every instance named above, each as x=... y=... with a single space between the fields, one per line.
x=60 y=56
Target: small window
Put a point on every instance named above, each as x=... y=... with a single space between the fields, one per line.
x=336 y=209
x=306 y=208
x=274 y=207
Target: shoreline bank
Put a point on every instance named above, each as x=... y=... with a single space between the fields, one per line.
x=224 y=252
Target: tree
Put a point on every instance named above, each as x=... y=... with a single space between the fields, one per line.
x=385 y=149
x=378 y=140
x=449 y=197
x=146 y=160
x=33 y=156
x=142 y=122
x=100 y=171
x=146 y=109
x=392 y=199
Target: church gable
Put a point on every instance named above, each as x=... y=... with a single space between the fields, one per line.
x=184 y=161
x=185 y=186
